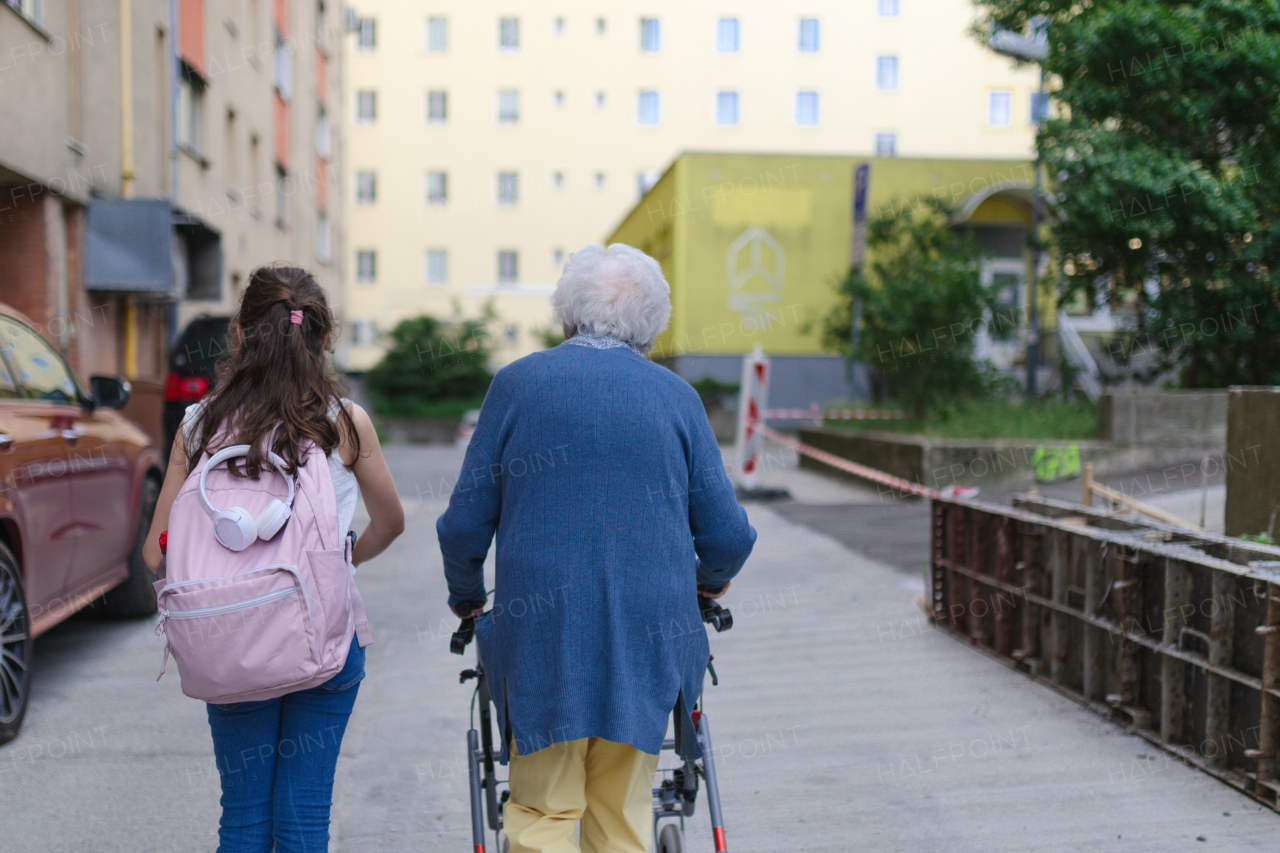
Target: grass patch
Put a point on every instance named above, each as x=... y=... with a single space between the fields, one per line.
x=413 y=407
x=1050 y=419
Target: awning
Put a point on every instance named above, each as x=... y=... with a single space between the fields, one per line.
x=129 y=246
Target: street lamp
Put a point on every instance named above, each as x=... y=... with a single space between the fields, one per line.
x=1033 y=48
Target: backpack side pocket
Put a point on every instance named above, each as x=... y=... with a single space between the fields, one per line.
x=331 y=576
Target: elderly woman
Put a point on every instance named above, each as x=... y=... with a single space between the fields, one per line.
x=599 y=474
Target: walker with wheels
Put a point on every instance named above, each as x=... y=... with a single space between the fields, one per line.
x=675 y=791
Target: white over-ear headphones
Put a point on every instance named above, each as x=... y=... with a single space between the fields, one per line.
x=236 y=528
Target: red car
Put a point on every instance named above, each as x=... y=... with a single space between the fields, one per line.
x=78 y=485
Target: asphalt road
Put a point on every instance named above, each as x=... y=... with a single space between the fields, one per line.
x=843 y=721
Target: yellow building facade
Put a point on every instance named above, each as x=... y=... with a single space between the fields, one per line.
x=754 y=245
x=485 y=142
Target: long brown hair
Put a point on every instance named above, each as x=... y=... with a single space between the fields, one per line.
x=275 y=373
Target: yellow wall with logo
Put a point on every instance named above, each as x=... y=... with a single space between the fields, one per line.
x=754 y=245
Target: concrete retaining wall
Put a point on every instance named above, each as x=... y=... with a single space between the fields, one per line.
x=1189 y=419
x=942 y=463
x=420 y=431
x=1253 y=469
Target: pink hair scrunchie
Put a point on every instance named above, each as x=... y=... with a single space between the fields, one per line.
x=295 y=317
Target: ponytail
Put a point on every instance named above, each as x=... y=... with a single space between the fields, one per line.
x=276 y=375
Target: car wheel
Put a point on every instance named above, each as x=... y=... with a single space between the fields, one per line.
x=136 y=596
x=15 y=647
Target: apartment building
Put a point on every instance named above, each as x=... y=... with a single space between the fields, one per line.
x=256 y=144
x=153 y=153
x=83 y=126
x=487 y=141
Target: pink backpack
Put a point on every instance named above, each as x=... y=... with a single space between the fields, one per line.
x=258 y=598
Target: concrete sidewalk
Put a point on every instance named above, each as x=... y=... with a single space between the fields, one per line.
x=843 y=722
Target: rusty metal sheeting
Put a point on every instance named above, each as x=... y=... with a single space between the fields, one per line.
x=1175 y=634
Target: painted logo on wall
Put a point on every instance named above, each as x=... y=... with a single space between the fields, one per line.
x=756 y=267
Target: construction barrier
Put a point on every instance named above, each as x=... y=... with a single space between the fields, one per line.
x=817 y=414
x=753 y=398
x=897 y=483
x=1173 y=633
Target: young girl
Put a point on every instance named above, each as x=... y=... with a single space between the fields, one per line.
x=277 y=757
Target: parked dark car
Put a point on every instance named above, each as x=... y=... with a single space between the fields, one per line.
x=78 y=486
x=191 y=364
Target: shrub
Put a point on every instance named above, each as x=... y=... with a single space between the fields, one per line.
x=430 y=361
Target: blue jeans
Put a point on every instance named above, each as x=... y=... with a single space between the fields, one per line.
x=277 y=758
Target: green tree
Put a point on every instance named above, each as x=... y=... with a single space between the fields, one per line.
x=430 y=360
x=923 y=302
x=1164 y=159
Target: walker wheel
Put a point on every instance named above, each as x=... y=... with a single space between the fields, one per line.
x=670 y=840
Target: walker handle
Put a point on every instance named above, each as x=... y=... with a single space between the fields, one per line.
x=466 y=628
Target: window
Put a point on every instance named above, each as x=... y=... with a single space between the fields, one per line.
x=726 y=108
x=366 y=265
x=557 y=180
x=437 y=188
x=647 y=108
x=323 y=238
x=557 y=257
x=366 y=106
x=557 y=26
x=999 y=108
x=508 y=106
x=809 y=35
x=886 y=72
x=557 y=97
x=437 y=35
x=600 y=99
x=41 y=371
x=282 y=67
x=191 y=111
x=600 y=26
x=599 y=180
x=645 y=180
x=727 y=35
x=366 y=188
x=886 y=144
x=508 y=188
x=508 y=33
x=366 y=37
x=508 y=266
x=364 y=332
x=1039 y=107
x=887 y=8
x=437 y=266
x=806 y=108
x=437 y=107
x=284 y=187
x=324 y=142
x=650 y=35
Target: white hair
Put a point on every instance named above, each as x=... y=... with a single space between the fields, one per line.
x=618 y=292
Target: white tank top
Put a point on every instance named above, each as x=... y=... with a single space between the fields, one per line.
x=345 y=487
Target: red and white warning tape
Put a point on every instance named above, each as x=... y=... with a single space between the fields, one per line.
x=817 y=414
x=869 y=473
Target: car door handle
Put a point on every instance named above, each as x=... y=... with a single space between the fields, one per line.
x=71 y=436
x=6 y=442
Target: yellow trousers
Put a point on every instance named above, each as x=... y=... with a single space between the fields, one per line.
x=607 y=786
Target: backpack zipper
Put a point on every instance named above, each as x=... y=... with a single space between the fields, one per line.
x=218 y=610
x=186 y=583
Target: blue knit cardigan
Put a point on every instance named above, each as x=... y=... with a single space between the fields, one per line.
x=600 y=475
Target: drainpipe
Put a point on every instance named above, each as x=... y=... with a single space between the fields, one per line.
x=171 y=308
x=126 y=171
x=126 y=100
